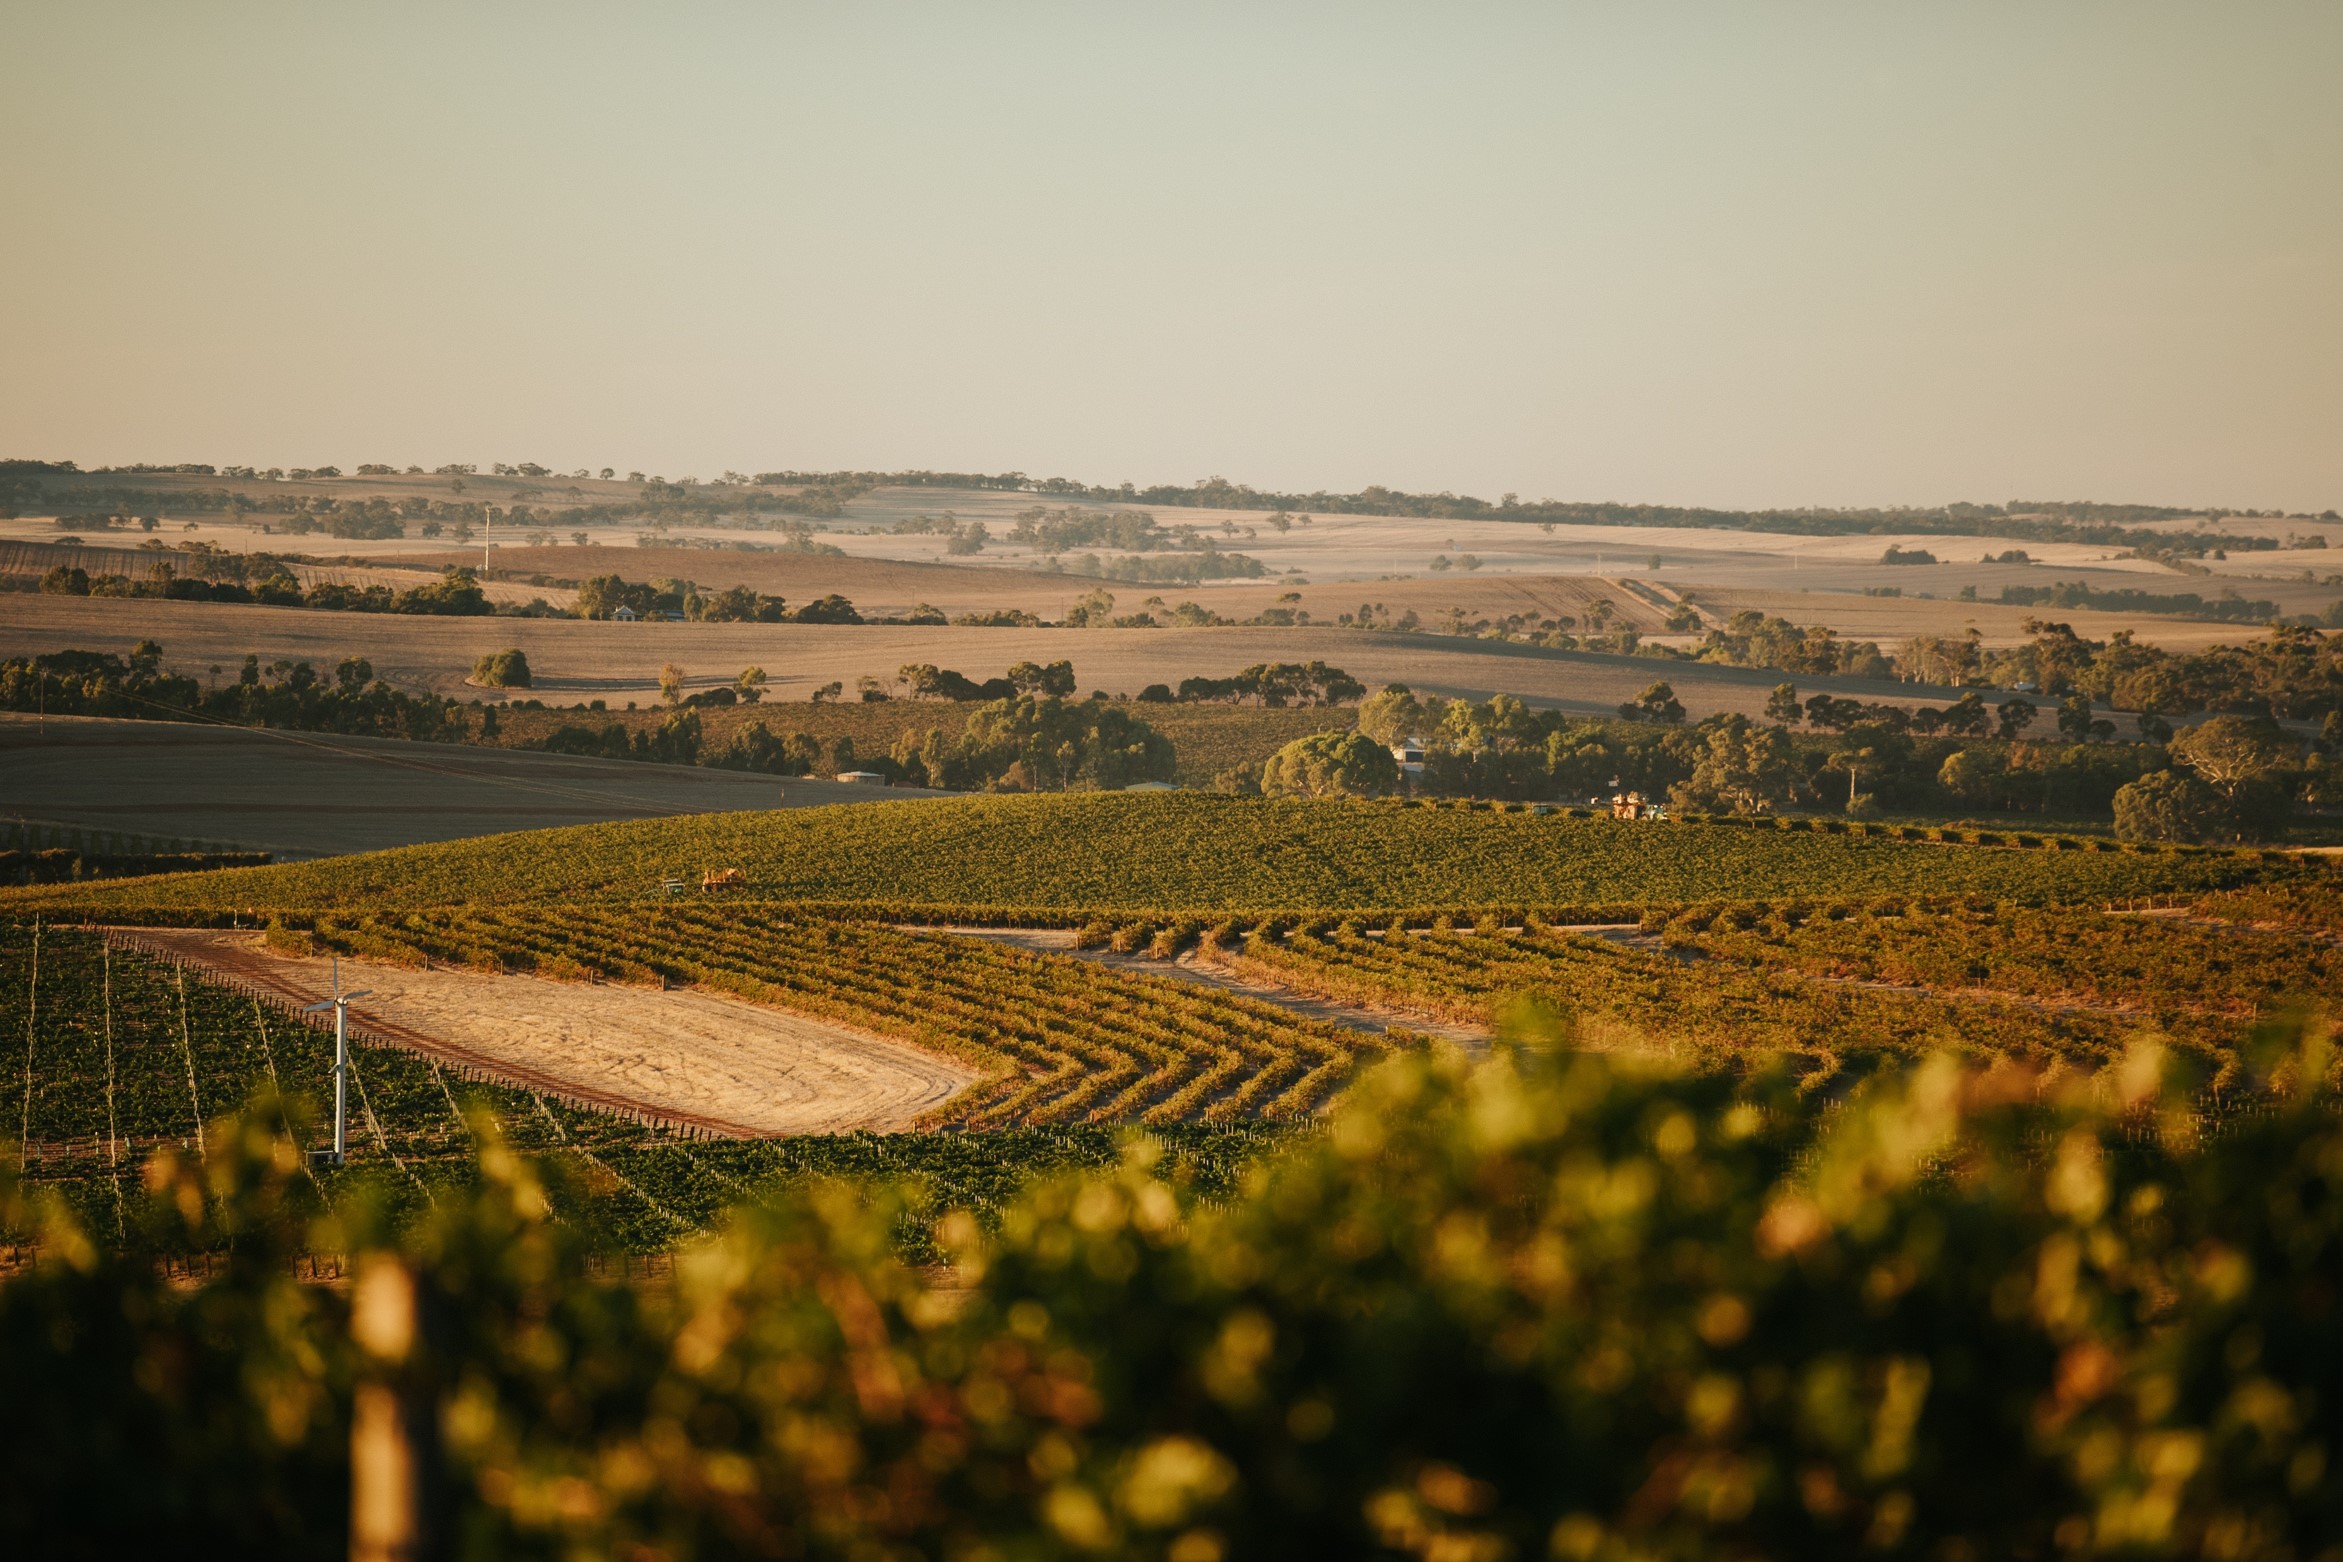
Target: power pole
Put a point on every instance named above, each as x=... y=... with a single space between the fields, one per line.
x=340 y=1004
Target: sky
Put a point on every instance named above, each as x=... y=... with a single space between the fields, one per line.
x=1729 y=254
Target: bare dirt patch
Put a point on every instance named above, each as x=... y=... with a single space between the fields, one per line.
x=713 y=1062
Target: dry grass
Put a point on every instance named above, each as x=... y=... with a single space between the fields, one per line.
x=575 y=661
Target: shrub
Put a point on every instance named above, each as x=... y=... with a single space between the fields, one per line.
x=506 y=669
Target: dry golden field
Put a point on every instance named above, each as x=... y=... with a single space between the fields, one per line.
x=575 y=660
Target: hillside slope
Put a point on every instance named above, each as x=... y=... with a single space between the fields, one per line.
x=1055 y=856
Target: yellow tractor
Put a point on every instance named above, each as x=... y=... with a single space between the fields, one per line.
x=723 y=878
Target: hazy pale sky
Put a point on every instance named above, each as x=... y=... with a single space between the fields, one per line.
x=1729 y=254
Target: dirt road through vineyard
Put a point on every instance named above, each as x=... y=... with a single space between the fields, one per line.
x=718 y=1063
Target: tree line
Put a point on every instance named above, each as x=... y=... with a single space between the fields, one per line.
x=2232 y=777
x=456 y=594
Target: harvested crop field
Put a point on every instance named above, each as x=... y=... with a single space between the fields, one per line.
x=715 y=1063
x=575 y=660
x=306 y=794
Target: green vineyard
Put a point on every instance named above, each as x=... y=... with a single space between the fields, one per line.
x=1058 y=1041
x=1067 y=856
x=129 y=1054
x=1726 y=984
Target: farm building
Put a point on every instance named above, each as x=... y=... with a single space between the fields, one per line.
x=862 y=778
x=1409 y=753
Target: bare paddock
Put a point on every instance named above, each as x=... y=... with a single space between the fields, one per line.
x=716 y=1063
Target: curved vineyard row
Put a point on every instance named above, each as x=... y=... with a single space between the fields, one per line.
x=1059 y=1041
x=90 y=1122
x=1622 y=995
x=2158 y=966
x=1068 y=856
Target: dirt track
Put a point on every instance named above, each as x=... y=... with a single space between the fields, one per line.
x=729 y=1067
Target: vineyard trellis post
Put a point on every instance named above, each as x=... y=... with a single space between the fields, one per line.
x=113 y=1130
x=32 y=999
x=187 y=1043
x=340 y=1004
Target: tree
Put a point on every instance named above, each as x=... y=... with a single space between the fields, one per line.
x=1057 y=678
x=832 y=609
x=456 y=593
x=1975 y=776
x=1855 y=761
x=1742 y=768
x=2246 y=760
x=1657 y=703
x=2167 y=805
x=1048 y=743
x=2231 y=753
x=2015 y=715
x=1966 y=716
x=1331 y=764
x=2074 y=718
x=506 y=669
x=1782 y=705
x=670 y=682
x=1833 y=712
x=1096 y=607
x=751 y=684
x=1393 y=713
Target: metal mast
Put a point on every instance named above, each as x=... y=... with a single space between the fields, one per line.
x=340 y=1004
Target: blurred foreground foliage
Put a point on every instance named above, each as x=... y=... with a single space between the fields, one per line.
x=1549 y=1304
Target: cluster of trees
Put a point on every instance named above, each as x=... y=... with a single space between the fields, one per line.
x=677 y=740
x=1023 y=743
x=456 y=593
x=1208 y=563
x=602 y=596
x=926 y=681
x=1753 y=639
x=2230 y=777
x=1264 y=683
x=2228 y=607
x=284 y=693
x=1130 y=531
x=962 y=539
x=2293 y=673
x=1037 y=743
